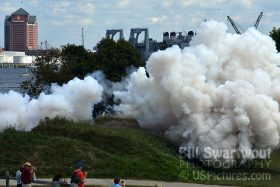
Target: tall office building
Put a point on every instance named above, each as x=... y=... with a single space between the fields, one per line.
x=21 y=31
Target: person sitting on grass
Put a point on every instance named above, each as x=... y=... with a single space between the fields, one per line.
x=58 y=181
x=118 y=183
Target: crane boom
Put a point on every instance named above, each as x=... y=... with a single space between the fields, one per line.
x=258 y=20
x=233 y=25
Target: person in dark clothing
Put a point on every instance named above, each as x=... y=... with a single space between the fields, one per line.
x=26 y=175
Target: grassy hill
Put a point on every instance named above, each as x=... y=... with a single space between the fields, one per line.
x=111 y=147
x=106 y=149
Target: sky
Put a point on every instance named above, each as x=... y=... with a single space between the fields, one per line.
x=61 y=21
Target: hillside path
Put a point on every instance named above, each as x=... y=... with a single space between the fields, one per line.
x=108 y=183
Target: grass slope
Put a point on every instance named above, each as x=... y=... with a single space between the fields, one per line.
x=113 y=147
x=106 y=150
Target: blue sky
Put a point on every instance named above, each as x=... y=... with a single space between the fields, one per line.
x=60 y=21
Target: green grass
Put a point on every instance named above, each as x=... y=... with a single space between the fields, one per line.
x=109 y=148
x=107 y=151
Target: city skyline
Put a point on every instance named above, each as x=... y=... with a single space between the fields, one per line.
x=60 y=22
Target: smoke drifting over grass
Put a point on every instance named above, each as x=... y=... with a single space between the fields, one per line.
x=223 y=92
x=73 y=100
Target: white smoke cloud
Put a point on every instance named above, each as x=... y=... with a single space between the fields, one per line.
x=108 y=86
x=73 y=100
x=223 y=92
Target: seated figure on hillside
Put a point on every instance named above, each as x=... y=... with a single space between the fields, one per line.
x=58 y=181
x=118 y=183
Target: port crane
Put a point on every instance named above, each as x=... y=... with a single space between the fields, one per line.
x=258 y=20
x=235 y=27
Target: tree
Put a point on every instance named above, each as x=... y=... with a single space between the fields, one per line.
x=44 y=74
x=61 y=65
x=113 y=58
x=58 y=66
x=275 y=35
x=76 y=61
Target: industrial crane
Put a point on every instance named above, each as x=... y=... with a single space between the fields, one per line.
x=233 y=25
x=258 y=20
x=237 y=30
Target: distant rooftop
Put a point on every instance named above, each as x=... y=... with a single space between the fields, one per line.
x=8 y=18
x=20 y=11
x=32 y=19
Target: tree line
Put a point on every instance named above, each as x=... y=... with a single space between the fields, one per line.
x=275 y=35
x=61 y=65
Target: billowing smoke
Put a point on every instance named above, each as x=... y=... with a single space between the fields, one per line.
x=73 y=100
x=221 y=93
x=108 y=86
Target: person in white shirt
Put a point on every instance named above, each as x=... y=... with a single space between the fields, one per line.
x=18 y=178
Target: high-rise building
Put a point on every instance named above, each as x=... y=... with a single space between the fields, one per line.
x=21 y=31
